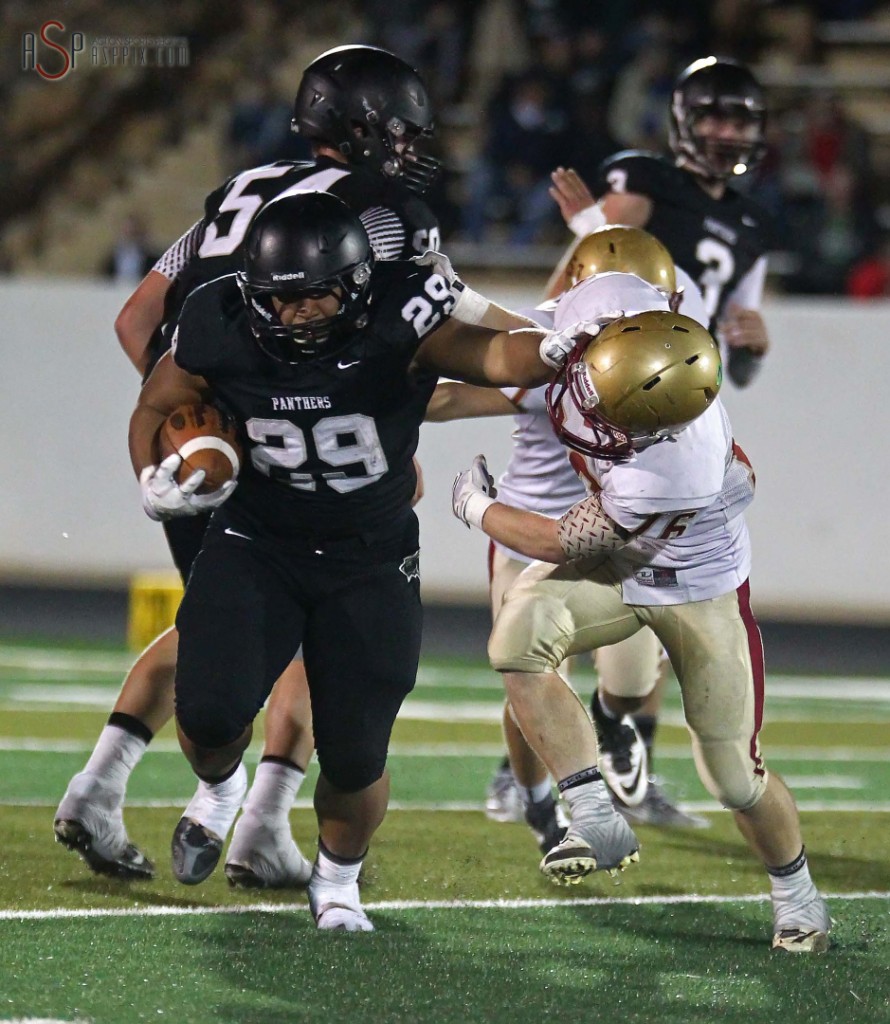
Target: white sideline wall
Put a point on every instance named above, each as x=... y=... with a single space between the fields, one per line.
x=815 y=425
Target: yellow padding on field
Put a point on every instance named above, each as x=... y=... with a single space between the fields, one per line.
x=154 y=599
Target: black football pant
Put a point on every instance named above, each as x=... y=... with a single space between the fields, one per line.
x=355 y=606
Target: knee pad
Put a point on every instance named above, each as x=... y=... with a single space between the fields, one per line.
x=529 y=634
x=733 y=780
x=209 y=724
x=349 y=769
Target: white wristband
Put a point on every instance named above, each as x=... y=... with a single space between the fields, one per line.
x=587 y=220
x=476 y=507
x=470 y=307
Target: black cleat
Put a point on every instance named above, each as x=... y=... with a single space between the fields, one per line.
x=542 y=818
x=130 y=864
x=195 y=851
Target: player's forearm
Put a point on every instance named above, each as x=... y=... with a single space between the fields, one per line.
x=456 y=401
x=513 y=358
x=166 y=389
x=144 y=426
x=532 y=535
x=140 y=316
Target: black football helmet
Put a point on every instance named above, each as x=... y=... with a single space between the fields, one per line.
x=723 y=88
x=305 y=245
x=370 y=106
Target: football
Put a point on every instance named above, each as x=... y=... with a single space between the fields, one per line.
x=206 y=438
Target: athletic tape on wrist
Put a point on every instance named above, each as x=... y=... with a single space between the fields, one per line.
x=470 y=307
x=587 y=220
x=476 y=507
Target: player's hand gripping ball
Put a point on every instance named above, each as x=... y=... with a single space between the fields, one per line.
x=199 y=462
x=206 y=439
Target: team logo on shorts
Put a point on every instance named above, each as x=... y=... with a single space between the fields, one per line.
x=410 y=566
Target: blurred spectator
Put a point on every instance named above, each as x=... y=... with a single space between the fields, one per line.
x=638 y=112
x=590 y=140
x=259 y=129
x=870 y=277
x=832 y=137
x=435 y=37
x=833 y=233
x=526 y=136
x=132 y=255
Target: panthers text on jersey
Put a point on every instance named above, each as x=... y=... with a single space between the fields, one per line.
x=328 y=441
x=399 y=224
x=718 y=242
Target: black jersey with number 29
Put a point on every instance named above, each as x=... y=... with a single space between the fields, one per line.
x=328 y=441
x=716 y=241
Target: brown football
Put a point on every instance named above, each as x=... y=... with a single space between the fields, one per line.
x=206 y=438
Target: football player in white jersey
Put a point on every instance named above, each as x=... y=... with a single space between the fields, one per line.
x=661 y=542
x=541 y=478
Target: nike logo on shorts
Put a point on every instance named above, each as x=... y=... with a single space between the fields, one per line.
x=235 y=533
x=345 y=366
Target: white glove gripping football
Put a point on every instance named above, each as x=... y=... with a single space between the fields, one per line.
x=473 y=493
x=557 y=346
x=163 y=498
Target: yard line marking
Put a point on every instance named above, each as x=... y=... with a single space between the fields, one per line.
x=796 y=782
x=396 y=905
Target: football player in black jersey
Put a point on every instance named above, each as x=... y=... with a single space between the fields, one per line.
x=714 y=232
x=327 y=360
x=718 y=235
x=365 y=111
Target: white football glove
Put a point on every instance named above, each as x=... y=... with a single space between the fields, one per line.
x=163 y=498
x=473 y=493
x=557 y=346
x=440 y=264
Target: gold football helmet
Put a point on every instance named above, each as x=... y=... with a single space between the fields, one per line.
x=623 y=250
x=642 y=378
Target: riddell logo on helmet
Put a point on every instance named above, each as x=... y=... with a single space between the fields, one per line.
x=288 y=277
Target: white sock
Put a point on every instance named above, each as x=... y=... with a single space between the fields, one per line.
x=215 y=804
x=535 y=794
x=275 y=787
x=797 y=887
x=115 y=755
x=590 y=803
x=331 y=872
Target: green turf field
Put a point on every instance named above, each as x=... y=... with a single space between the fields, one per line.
x=467 y=930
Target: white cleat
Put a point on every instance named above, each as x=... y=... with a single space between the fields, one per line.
x=801 y=928
x=608 y=846
x=623 y=760
x=337 y=907
x=90 y=821
x=265 y=856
